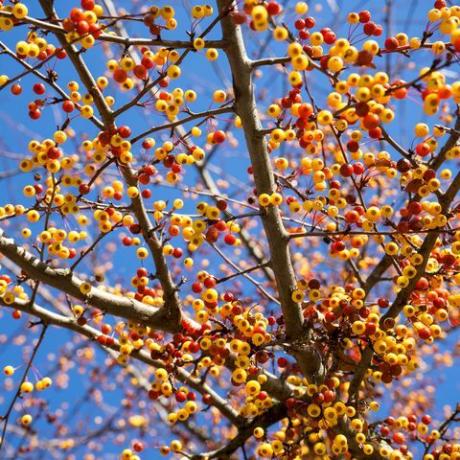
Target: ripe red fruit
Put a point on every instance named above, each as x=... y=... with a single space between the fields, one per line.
x=16 y=89
x=124 y=131
x=180 y=396
x=127 y=241
x=304 y=34
x=330 y=316
x=422 y=149
x=424 y=333
x=228 y=297
x=414 y=207
x=147 y=144
x=138 y=446
x=120 y=75
x=378 y=30
x=83 y=189
x=337 y=246
x=230 y=239
x=310 y=22
x=383 y=302
x=68 y=25
x=422 y=284
x=221 y=204
x=391 y=43
x=403 y=165
x=147 y=63
x=76 y=15
x=273 y=8
x=375 y=133
x=362 y=109
x=140 y=71
x=358 y=168
x=35 y=114
x=346 y=170
x=351 y=217
x=371 y=120
x=39 y=88
x=299 y=24
x=212 y=234
x=365 y=58
x=282 y=362
x=364 y=16
x=197 y=287
x=144 y=179
x=400 y=93
x=218 y=137
x=209 y=282
x=329 y=37
x=87 y=4
x=426 y=419
x=53 y=153
x=329 y=396
x=352 y=146
x=369 y=28
x=82 y=27
x=60 y=53
x=95 y=30
x=68 y=106
x=207 y=399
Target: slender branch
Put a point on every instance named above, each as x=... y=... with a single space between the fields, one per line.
x=149 y=86
x=34 y=70
x=5 y=418
x=397 y=147
x=206 y=114
x=242 y=273
x=325 y=233
x=112 y=38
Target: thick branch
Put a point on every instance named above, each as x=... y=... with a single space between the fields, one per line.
x=70 y=323
x=170 y=295
x=404 y=295
x=67 y=282
x=245 y=107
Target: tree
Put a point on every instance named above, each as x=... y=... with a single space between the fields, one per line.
x=264 y=312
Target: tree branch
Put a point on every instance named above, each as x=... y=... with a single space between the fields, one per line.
x=65 y=281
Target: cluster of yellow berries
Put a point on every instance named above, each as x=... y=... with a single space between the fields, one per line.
x=310 y=431
x=34 y=47
x=28 y=387
x=18 y=11
x=274 y=199
x=167 y=13
x=9 y=294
